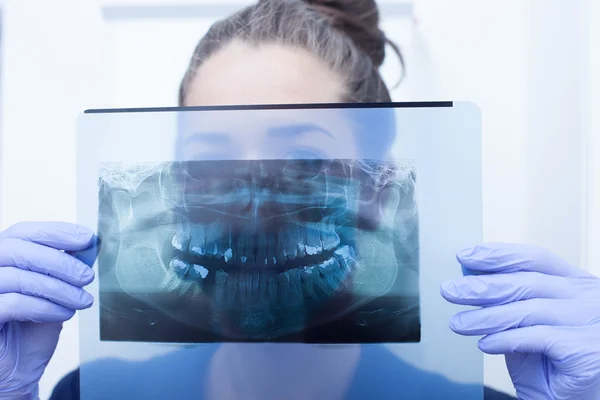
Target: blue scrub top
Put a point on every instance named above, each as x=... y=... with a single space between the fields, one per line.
x=175 y=376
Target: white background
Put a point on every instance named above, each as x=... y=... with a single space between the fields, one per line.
x=533 y=67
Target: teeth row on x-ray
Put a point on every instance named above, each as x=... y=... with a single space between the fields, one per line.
x=261 y=249
x=268 y=286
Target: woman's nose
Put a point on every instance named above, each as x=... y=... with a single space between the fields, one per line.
x=246 y=191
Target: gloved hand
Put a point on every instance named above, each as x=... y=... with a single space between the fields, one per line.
x=40 y=287
x=539 y=311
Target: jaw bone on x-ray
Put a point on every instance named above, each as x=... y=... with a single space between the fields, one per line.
x=291 y=250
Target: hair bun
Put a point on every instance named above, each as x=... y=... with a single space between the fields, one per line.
x=359 y=20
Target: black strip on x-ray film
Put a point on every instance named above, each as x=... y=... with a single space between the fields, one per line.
x=422 y=104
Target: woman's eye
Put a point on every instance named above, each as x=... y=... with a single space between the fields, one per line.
x=304 y=154
x=303 y=169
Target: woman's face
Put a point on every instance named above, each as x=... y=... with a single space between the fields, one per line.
x=240 y=74
x=269 y=243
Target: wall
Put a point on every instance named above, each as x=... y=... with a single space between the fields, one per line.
x=52 y=70
x=593 y=146
x=486 y=63
x=521 y=61
x=555 y=129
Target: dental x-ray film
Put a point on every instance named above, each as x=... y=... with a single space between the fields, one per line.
x=300 y=250
x=272 y=225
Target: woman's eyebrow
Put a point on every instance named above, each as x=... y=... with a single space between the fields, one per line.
x=296 y=130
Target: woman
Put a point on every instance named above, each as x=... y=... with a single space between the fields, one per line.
x=294 y=52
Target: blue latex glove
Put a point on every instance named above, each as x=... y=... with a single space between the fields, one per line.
x=40 y=288
x=539 y=311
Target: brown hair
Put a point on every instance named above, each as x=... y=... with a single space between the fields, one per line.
x=345 y=34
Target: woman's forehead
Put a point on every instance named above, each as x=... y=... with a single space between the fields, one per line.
x=241 y=73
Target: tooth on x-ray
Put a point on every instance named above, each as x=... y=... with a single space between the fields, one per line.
x=257 y=256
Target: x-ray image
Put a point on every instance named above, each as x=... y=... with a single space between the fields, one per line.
x=313 y=251
x=296 y=235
